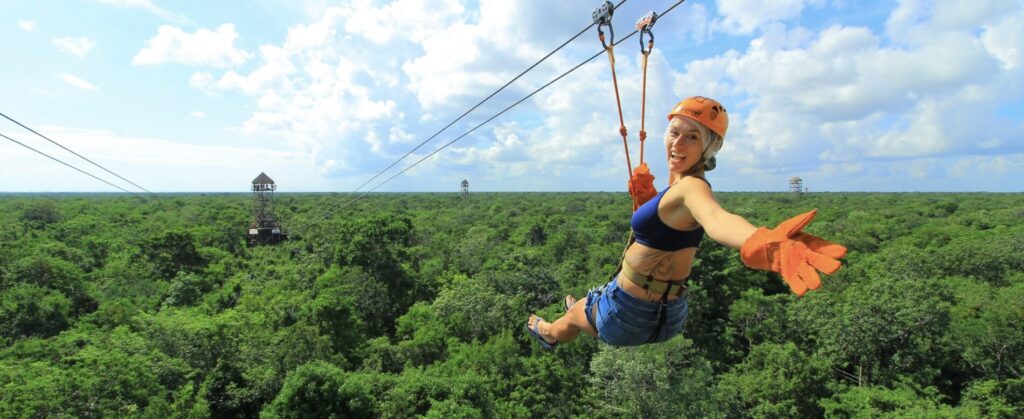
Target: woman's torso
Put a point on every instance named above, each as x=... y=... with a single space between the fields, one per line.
x=663 y=265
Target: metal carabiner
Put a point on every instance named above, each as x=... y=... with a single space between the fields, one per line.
x=603 y=17
x=644 y=25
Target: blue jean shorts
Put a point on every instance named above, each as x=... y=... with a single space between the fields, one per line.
x=625 y=320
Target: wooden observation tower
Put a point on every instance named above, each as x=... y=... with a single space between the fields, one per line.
x=465 y=189
x=264 y=229
x=796 y=185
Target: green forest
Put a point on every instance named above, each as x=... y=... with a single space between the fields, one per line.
x=415 y=305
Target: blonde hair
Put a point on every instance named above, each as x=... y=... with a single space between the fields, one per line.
x=712 y=144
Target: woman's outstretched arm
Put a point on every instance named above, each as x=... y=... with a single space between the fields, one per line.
x=722 y=226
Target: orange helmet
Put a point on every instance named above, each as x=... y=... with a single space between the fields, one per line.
x=706 y=111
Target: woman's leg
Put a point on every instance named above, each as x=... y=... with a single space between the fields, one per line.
x=567 y=327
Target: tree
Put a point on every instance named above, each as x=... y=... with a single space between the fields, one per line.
x=995 y=398
x=986 y=329
x=666 y=380
x=905 y=400
x=775 y=380
x=889 y=327
x=172 y=251
x=41 y=213
x=757 y=318
x=29 y=310
x=379 y=245
x=317 y=389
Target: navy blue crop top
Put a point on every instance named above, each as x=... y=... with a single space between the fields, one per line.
x=650 y=231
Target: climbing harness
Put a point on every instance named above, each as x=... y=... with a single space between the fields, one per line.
x=654 y=286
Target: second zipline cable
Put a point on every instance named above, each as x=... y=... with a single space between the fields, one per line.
x=328 y=213
x=528 y=69
x=72 y=152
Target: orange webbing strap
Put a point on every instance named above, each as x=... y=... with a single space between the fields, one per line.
x=644 y=26
x=641 y=182
x=643 y=99
x=610 y=48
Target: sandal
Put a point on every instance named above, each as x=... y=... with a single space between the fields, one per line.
x=535 y=331
x=567 y=304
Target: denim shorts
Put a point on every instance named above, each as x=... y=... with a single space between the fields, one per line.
x=625 y=320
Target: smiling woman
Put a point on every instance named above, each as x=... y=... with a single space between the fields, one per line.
x=646 y=301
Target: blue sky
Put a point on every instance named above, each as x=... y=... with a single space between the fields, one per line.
x=906 y=95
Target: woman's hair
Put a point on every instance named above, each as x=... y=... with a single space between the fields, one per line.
x=712 y=142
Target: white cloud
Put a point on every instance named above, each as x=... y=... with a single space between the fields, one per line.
x=480 y=52
x=1002 y=39
x=201 y=80
x=203 y=48
x=77 y=82
x=74 y=46
x=27 y=25
x=744 y=17
x=153 y=9
x=844 y=94
x=400 y=136
x=329 y=91
x=197 y=114
x=822 y=102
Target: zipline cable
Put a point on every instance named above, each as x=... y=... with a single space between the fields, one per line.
x=463 y=115
x=68 y=165
x=72 y=152
x=487 y=120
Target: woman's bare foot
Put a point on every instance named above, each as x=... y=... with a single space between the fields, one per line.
x=542 y=328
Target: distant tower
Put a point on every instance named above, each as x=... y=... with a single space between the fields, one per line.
x=465 y=189
x=796 y=185
x=264 y=229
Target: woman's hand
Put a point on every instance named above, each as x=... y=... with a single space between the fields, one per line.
x=796 y=255
x=641 y=186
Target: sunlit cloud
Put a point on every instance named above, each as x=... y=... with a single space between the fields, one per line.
x=203 y=48
x=78 y=47
x=153 y=9
x=77 y=82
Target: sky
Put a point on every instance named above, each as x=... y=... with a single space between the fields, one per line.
x=200 y=96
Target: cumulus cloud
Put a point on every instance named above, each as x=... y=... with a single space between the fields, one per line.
x=831 y=101
x=74 y=46
x=203 y=48
x=744 y=17
x=330 y=91
x=77 y=82
x=27 y=25
x=931 y=85
x=153 y=9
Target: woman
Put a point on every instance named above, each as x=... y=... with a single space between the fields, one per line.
x=646 y=301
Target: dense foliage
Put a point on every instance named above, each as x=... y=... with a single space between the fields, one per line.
x=409 y=305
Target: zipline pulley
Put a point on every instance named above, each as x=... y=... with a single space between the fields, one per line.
x=603 y=17
x=644 y=26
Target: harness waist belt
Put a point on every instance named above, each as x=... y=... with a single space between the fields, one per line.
x=648 y=283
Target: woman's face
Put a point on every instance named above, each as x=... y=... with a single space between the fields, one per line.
x=683 y=144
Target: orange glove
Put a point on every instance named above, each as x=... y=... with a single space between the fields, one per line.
x=793 y=253
x=641 y=186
